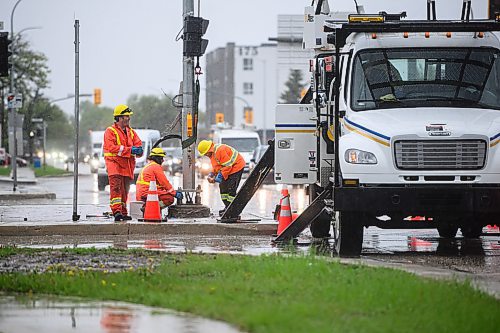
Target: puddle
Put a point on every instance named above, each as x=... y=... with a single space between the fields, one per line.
x=21 y=314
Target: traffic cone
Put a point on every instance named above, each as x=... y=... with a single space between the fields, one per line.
x=152 y=212
x=284 y=192
x=285 y=216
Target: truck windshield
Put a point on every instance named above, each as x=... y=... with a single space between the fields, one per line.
x=243 y=145
x=424 y=77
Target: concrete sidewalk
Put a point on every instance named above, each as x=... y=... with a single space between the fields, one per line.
x=26 y=188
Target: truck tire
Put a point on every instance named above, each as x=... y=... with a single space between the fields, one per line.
x=348 y=234
x=447 y=231
x=472 y=231
x=320 y=227
x=102 y=181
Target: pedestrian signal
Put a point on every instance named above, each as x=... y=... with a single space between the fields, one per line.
x=219 y=118
x=5 y=54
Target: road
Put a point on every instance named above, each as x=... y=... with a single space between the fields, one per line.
x=478 y=259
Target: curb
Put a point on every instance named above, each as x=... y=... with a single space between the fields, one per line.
x=26 y=196
x=19 y=181
x=219 y=229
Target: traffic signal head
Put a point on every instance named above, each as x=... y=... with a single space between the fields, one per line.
x=97 y=96
x=5 y=54
x=194 y=29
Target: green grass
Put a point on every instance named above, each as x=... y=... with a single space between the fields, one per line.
x=49 y=171
x=4 y=171
x=280 y=294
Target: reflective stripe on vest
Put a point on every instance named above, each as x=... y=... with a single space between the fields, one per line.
x=231 y=160
x=141 y=180
x=118 y=141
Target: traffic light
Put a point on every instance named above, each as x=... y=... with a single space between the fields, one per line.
x=194 y=29
x=5 y=54
x=219 y=118
x=97 y=96
x=248 y=115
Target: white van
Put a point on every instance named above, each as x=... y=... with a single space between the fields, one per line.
x=244 y=141
x=148 y=138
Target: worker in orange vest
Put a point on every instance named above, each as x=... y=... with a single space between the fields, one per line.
x=154 y=171
x=228 y=165
x=121 y=146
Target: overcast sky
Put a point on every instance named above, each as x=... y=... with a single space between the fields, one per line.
x=128 y=46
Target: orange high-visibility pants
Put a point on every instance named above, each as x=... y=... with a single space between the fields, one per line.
x=166 y=198
x=118 y=193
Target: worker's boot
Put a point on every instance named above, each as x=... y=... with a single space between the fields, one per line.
x=127 y=218
x=221 y=212
x=118 y=217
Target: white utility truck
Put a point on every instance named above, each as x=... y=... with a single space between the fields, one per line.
x=244 y=141
x=402 y=119
x=148 y=138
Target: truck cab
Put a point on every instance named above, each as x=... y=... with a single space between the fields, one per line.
x=404 y=121
x=148 y=138
x=244 y=141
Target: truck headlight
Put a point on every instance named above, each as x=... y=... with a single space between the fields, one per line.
x=356 y=156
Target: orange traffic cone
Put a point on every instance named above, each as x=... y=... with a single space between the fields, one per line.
x=285 y=216
x=152 y=212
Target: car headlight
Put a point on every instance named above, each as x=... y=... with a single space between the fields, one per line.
x=356 y=156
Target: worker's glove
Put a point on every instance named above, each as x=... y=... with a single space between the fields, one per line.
x=179 y=195
x=219 y=178
x=137 y=150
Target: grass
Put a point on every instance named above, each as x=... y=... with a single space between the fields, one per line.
x=4 y=171
x=275 y=293
x=49 y=171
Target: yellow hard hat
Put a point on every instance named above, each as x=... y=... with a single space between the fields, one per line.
x=204 y=146
x=157 y=152
x=122 y=110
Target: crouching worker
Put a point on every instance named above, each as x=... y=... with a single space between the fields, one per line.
x=228 y=165
x=154 y=171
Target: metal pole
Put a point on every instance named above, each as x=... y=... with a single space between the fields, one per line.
x=13 y=109
x=76 y=217
x=188 y=162
x=264 y=128
x=44 y=140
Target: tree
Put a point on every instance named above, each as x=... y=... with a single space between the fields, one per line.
x=294 y=87
x=31 y=77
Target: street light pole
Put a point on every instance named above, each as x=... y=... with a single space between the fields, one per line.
x=12 y=108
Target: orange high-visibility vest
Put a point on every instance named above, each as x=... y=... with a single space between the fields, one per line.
x=227 y=160
x=117 y=150
x=152 y=171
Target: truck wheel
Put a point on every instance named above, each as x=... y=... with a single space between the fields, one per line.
x=348 y=234
x=447 y=231
x=320 y=227
x=101 y=183
x=472 y=231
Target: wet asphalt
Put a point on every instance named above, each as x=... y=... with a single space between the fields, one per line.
x=417 y=250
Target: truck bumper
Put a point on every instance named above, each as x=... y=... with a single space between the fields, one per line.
x=415 y=200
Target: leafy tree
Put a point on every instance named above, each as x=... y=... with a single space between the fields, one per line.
x=294 y=87
x=31 y=77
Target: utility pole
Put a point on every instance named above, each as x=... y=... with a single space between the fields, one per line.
x=188 y=158
x=12 y=110
x=75 y=216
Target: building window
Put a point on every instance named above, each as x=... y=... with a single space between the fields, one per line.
x=247 y=64
x=248 y=88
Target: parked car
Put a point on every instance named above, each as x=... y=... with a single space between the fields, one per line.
x=20 y=161
x=173 y=160
x=257 y=155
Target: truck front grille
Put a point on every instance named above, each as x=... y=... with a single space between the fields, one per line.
x=440 y=154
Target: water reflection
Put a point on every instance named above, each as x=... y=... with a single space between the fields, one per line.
x=22 y=314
